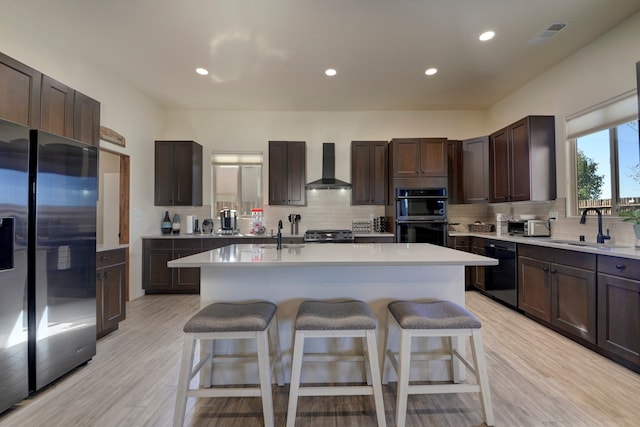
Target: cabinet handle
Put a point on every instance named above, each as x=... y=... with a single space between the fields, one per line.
x=104 y=259
x=620 y=266
x=545 y=268
x=107 y=274
x=554 y=271
x=99 y=276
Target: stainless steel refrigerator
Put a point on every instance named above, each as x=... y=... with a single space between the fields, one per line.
x=48 y=191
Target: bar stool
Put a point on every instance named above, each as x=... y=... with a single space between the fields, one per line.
x=436 y=319
x=325 y=319
x=230 y=321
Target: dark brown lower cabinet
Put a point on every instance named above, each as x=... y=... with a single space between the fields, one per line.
x=478 y=276
x=111 y=285
x=562 y=294
x=463 y=243
x=619 y=307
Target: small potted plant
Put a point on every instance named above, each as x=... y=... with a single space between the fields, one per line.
x=632 y=216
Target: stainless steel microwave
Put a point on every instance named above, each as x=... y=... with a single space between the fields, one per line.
x=529 y=227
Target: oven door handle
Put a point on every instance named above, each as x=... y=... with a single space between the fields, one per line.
x=420 y=221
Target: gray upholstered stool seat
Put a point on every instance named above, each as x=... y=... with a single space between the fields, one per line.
x=432 y=315
x=229 y=321
x=326 y=315
x=331 y=319
x=441 y=319
x=226 y=317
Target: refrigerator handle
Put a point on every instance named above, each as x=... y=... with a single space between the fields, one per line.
x=7 y=239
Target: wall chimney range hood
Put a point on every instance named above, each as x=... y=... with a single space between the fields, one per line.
x=328 y=180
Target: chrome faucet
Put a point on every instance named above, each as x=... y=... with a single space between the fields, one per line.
x=279 y=243
x=601 y=237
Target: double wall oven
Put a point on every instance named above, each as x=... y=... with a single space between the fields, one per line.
x=421 y=215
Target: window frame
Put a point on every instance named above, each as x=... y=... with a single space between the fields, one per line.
x=240 y=160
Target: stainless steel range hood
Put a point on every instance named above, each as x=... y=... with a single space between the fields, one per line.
x=328 y=180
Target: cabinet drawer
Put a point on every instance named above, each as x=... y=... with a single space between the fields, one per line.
x=559 y=256
x=616 y=266
x=188 y=243
x=158 y=244
x=112 y=257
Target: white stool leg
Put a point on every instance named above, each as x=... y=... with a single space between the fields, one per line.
x=373 y=364
x=186 y=366
x=385 y=340
x=404 y=368
x=277 y=351
x=296 y=373
x=264 y=370
x=482 y=377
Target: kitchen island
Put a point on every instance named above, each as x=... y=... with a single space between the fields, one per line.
x=375 y=273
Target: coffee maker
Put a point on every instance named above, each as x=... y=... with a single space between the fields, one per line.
x=228 y=221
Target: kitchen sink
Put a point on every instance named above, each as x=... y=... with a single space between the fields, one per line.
x=587 y=244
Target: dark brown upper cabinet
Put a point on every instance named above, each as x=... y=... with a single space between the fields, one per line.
x=20 y=89
x=475 y=161
x=178 y=173
x=522 y=161
x=369 y=172
x=86 y=119
x=454 y=171
x=56 y=101
x=287 y=173
x=418 y=157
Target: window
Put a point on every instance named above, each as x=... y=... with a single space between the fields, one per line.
x=605 y=145
x=237 y=182
x=608 y=174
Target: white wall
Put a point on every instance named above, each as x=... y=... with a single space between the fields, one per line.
x=123 y=109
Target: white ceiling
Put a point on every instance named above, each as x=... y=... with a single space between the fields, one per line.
x=271 y=54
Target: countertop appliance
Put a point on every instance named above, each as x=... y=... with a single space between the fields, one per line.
x=48 y=193
x=529 y=227
x=228 y=220
x=501 y=281
x=328 y=236
x=421 y=216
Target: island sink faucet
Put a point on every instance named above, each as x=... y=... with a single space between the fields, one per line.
x=601 y=237
x=279 y=243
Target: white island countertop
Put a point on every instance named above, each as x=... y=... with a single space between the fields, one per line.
x=332 y=254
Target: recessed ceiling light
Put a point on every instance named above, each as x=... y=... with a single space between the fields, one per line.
x=487 y=35
x=330 y=72
x=431 y=71
x=202 y=71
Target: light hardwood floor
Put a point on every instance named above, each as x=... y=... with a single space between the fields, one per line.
x=538 y=378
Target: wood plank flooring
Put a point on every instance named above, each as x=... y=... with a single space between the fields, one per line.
x=538 y=378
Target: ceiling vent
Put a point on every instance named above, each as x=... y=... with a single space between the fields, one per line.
x=546 y=34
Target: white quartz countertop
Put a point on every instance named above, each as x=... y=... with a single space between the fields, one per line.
x=248 y=235
x=332 y=254
x=103 y=248
x=606 y=248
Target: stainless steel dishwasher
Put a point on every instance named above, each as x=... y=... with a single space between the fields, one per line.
x=501 y=281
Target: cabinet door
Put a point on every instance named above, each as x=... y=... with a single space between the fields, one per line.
x=297 y=174
x=534 y=291
x=519 y=173
x=619 y=316
x=187 y=175
x=86 y=119
x=454 y=171
x=186 y=279
x=475 y=165
x=369 y=167
x=287 y=173
x=433 y=157
x=406 y=158
x=99 y=327
x=478 y=276
x=113 y=298
x=163 y=174
x=20 y=89
x=499 y=167
x=156 y=276
x=573 y=300
x=278 y=175
x=56 y=107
